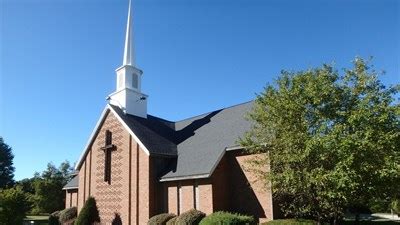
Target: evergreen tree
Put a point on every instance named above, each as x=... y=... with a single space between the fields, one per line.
x=6 y=165
x=89 y=213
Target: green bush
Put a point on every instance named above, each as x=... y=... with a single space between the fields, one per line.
x=68 y=214
x=172 y=221
x=290 y=222
x=89 y=213
x=14 y=205
x=395 y=205
x=160 y=219
x=53 y=219
x=227 y=218
x=191 y=217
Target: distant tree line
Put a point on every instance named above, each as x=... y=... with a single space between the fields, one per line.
x=41 y=194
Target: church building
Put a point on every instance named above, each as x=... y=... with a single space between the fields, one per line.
x=137 y=165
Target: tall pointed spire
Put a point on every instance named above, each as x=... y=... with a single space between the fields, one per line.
x=128 y=95
x=129 y=55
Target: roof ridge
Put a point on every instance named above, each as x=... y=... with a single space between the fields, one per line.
x=228 y=107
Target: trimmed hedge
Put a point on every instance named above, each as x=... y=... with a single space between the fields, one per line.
x=89 y=213
x=191 y=217
x=53 y=220
x=160 y=219
x=227 y=218
x=68 y=214
x=172 y=221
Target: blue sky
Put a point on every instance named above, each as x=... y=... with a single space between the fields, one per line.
x=58 y=58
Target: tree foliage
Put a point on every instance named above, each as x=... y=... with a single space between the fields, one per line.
x=44 y=190
x=13 y=206
x=331 y=140
x=6 y=165
x=49 y=196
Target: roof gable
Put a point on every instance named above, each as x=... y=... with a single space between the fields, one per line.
x=197 y=143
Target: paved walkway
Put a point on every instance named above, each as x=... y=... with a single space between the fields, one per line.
x=387 y=216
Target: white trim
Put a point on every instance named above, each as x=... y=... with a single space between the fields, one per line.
x=232 y=148
x=70 y=188
x=185 y=177
x=127 y=89
x=94 y=132
x=179 y=198
x=96 y=129
x=129 y=130
x=196 y=195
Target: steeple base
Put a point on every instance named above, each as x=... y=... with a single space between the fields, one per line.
x=130 y=101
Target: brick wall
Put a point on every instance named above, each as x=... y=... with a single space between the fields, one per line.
x=71 y=198
x=221 y=188
x=248 y=194
x=186 y=200
x=205 y=197
x=232 y=187
x=74 y=198
x=131 y=187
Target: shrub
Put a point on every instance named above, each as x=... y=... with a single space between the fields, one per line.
x=227 y=218
x=68 y=214
x=160 y=219
x=191 y=217
x=89 y=213
x=14 y=205
x=53 y=218
x=117 y=220
x=172 y=221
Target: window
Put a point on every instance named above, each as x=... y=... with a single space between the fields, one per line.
x=135 y=81
x=108 y=147
x=120 y=81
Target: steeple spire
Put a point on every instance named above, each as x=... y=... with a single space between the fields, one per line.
x=128 y=94
x=129 y=54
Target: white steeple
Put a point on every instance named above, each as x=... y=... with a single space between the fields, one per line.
x=128 y=95
x=129 y=57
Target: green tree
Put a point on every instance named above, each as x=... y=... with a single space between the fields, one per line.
x=13 y=206
x=6 y=165
x=330 y=140
x=48 y=194
x=89 y=213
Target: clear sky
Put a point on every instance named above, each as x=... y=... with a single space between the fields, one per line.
x=58 y=58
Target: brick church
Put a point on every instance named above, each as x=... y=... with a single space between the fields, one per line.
x=137 y=165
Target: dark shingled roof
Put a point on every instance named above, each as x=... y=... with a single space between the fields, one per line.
x=197 y=143
x=203 y=140
x=155 y=133
x=73 y=183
